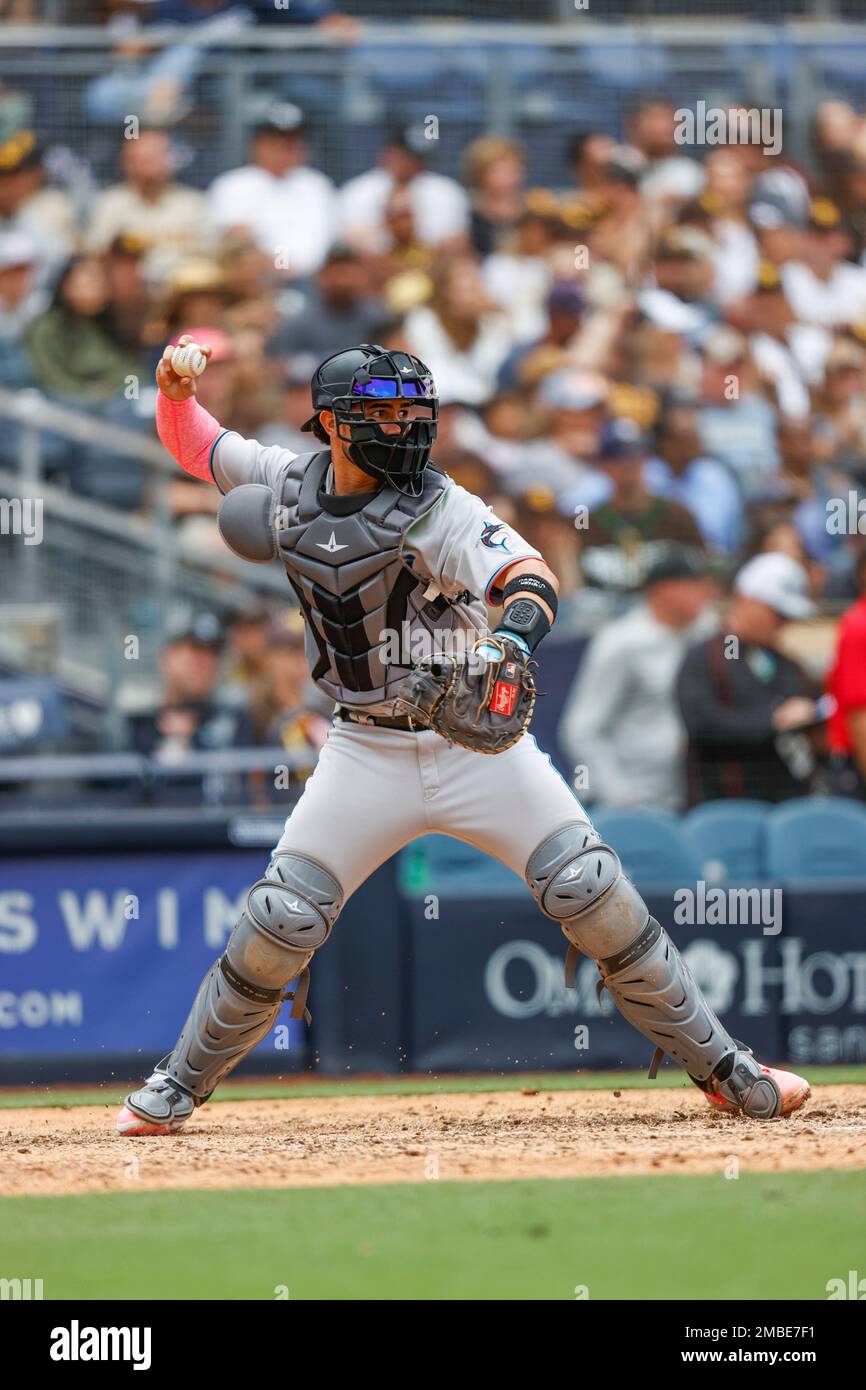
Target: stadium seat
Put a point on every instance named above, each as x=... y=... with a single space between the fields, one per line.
x=651 y=845
x=729 y=838
x=817 y=837
x=443 y=865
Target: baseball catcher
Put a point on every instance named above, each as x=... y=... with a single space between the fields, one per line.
x=393 y=565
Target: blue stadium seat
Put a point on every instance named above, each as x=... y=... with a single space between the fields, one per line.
x=651 y=845
x=440 y=864
x=729 y=838
x=817 y=837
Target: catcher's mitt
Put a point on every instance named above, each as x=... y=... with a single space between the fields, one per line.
x=481 y=702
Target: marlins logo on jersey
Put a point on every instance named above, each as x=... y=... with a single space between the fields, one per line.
x=488 y=535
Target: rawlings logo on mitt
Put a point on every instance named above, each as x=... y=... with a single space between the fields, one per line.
x=481 y=702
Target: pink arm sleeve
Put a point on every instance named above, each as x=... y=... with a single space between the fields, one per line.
x=188 y=432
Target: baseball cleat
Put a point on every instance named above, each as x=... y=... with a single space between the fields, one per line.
x=761 y=1093
x=159 y=1107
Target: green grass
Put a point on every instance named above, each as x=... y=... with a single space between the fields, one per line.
x=112 y=1093
x=762 y=1236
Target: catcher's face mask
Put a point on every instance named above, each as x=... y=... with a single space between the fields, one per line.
x=388 y=419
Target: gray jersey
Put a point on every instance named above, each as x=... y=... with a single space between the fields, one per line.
x=382 y=584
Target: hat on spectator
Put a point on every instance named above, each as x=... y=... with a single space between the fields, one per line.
x=287 y=630
x=16 y=249
x=574 y=390
x=254 y=611
x=780 y=198
x=198 y=275
x=298 y=368
x=20 y=151
x=626 y=165
x=673 y=561
x=281 y=118
x=620 y=438
x=778 y=581
x=824 y=215
x=411 y=136
x=129 y=244
x=203 y=629
x=566 y=297
x=724 y=345
x=683 y=243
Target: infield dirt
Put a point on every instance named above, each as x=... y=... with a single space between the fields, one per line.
x=386 y=1139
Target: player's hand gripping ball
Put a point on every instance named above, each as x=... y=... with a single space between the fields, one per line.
x=480 y=701
x=188 y=359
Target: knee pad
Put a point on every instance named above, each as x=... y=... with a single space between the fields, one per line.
x=288 y=915
x=579 y=882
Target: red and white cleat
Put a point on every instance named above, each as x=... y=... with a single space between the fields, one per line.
x=792 y=1092
x=159 y=1107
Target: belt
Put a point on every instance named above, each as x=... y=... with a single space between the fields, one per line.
x=353 y=717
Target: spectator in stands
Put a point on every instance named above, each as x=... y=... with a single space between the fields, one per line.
x=839 y=403
x=128 y=290
x=846 y=684
x=46 y=218
x=652 y=131
x=440 y=207
x=681 y=471
x=726 y=198
x=789 y=356
x=293 y=410
x=566 y=304
x=286 y=709
x=75 y=353
x=621 y=719
x=339 y=309
x=189 y=716
x=462 y=334
x=622 y=535
x=156 y=81
x=494 y=171
x=289 y=207
x=588 y=156
x=149 y=203
x=739 y=693
x=821 y=285
x=246 y=652
x=562 y=458
x=197 y=292
x=679 y=296
x=737 y=425
x=21 y=301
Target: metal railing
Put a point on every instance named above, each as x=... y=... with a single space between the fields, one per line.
x=114 y=574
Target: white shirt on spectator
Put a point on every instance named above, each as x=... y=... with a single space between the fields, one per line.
x=293 y=218
x=621 y=720
x=440 y=207
x=174 y=225
x=461 y=374
x=841 y=299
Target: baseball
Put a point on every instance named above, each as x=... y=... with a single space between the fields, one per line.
x=189 y=360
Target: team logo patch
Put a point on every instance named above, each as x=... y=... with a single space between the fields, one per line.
x=488 y=534
x=504 y=698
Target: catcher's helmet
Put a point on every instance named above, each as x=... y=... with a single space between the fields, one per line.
x=344 y=384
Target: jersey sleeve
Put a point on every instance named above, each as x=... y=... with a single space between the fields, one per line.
x=462 y=544
x=235 y=460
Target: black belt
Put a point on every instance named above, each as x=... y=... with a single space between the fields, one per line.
x=355 y=717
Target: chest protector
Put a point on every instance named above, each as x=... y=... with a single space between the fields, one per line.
x=356 y=592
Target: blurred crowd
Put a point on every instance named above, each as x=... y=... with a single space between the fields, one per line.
x=656 y=372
